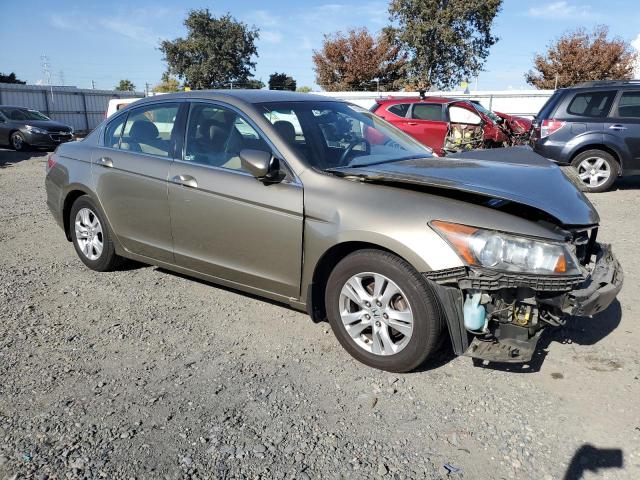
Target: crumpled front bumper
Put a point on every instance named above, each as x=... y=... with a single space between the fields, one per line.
x=599 y=289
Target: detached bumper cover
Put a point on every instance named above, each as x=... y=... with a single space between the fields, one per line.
x=600 y=289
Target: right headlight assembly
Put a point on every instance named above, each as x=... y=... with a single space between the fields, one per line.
x=507 y=252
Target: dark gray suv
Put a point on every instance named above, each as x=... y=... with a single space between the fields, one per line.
x=594 y=127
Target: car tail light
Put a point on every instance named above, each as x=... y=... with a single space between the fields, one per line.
x=549 y=127
x=51 y=161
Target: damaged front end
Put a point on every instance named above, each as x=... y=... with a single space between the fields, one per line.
x=499 y=316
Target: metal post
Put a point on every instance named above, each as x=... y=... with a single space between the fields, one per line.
x=46 y=102
x=86 y=115
x=490 y=102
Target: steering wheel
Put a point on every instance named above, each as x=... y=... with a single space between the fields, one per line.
x=347 y=151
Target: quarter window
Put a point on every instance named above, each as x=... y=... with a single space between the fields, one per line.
x=114 y=131
x=629 y=105
x=149 y=130
x=216 y=135
x=591 y=104
x=399 y=109
x=427 y=111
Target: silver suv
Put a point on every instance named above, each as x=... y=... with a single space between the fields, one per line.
x=323 y=206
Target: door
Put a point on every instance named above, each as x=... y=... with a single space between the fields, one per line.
x=130 y=173
x=426 y=123
x=225 y=222
x=624 y=123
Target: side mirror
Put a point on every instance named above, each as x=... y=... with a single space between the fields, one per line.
x=262 y=165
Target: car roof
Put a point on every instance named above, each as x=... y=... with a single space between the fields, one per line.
x=392 y=100
x=242 y=96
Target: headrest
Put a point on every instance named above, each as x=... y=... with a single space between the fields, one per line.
x=143 y=130
x=286 y=130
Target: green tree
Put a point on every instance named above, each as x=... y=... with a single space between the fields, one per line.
x=304 y=89
x=125 y=86
x=447 y=41
x=580 y=56
x=281 y=81
x=11 y=78
x=167 y=84
x=251 y=84
x=215 y=52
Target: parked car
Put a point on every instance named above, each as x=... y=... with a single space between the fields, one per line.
x=350 y=219
x=594 y=127
x=22 y=127
x=445 y=125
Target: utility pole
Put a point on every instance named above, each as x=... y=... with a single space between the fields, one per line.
x=146 y=89
x=61 y=77
x=46 y=74
x=93 y=85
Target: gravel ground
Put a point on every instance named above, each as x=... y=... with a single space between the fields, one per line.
x=145 y=374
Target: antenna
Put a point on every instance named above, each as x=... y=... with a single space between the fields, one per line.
x=46 y=74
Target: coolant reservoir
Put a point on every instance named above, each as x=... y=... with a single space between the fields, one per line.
x=474 y=313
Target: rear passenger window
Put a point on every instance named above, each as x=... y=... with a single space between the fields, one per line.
x=591 y=104
x=427 y=111
x=629 y=105
x=215 y=136
x=400 y=109
x=114 y=131
x=149 y=129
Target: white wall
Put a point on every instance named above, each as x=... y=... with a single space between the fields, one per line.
x=525 y=103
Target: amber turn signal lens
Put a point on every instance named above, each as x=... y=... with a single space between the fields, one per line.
x=458 y=236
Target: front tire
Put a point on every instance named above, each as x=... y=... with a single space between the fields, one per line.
x=597 y=170
x=91 y=236
x=382 y=311
x=18 y=142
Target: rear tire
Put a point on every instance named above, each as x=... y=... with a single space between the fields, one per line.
x=92 y=237
x=596 y=169
x=400 y=349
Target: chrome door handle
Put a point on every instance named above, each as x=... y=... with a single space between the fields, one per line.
x=617 y=127
x=105 y=162
x=185 y=181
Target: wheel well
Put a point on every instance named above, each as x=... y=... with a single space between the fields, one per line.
x=602 y=147
x=324 y=267
x=71 y=197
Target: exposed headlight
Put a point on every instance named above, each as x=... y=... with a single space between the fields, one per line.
x=31 y=129
x=502 y=251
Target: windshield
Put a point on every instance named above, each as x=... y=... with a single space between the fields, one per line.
x=486 y=111
x=22 y=114
x=335 y=134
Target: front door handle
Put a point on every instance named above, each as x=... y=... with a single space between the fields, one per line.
x=412 y=123
x=185 y=181
x=105 y=162
x=617 y=127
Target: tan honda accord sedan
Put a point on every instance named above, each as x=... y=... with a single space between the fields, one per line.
x=321 y=205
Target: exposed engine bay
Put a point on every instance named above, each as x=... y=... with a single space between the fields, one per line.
x=499 y=316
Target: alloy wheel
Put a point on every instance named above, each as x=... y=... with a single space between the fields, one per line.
x=17 y=142
x=89 y=233
x=376 y=313
x=594 y=171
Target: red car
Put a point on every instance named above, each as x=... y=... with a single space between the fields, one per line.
x=445 y=124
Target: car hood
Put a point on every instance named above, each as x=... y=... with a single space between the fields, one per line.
x=515 y=174
x=49 y=125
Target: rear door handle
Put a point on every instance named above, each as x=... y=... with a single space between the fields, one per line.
x=617 y=127
x=185 y=181
x=105 y=162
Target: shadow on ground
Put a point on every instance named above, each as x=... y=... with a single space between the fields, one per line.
x=593 y=459
x=9 y=158
x=577 y=330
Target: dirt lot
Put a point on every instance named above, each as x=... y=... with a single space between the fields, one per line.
x=145 y=374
